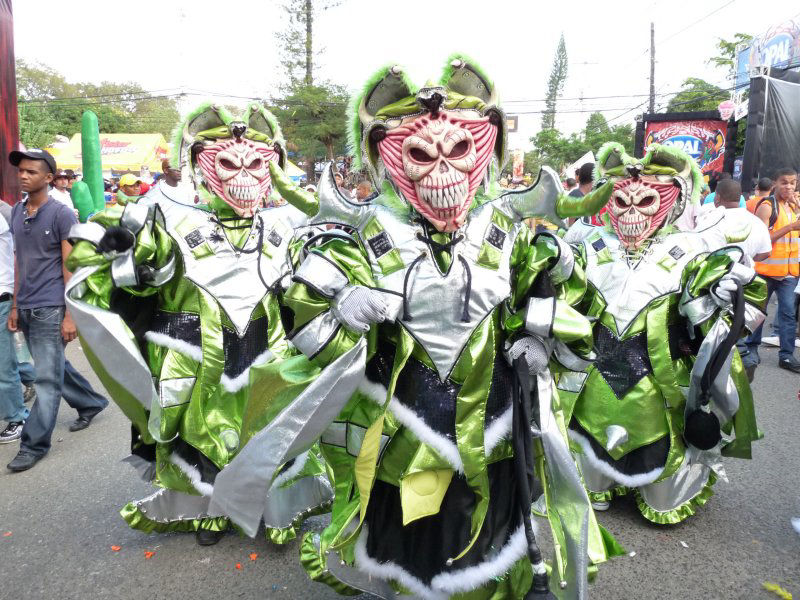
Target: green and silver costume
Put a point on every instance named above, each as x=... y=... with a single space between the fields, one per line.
x=660 y=310
x=182 y=324
x=419 y=436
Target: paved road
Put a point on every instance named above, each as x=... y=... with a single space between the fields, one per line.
x=63 y=520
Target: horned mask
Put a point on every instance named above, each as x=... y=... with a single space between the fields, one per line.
x=229 y=157
x=649 y=193
x=434 y=143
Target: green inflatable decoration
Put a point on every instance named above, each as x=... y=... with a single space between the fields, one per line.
x=88 y=195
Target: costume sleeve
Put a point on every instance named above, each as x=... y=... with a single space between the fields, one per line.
x=710 y=320
x=149 y=263
x=548 y=283
x=327 y=270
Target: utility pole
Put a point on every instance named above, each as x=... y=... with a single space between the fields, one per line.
x=652 y=68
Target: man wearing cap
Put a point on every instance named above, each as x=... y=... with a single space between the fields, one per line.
x=128 y=188
x=59 y=191
x=40 y=226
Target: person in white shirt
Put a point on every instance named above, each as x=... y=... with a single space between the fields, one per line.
x=59 y=191
x=12 y=406
x=735 y=226
x=169 y=188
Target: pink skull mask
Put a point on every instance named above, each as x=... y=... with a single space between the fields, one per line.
x=237 y=171
x=638 y=207
x=438 y=163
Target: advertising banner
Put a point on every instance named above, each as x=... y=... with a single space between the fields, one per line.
x=703 y=140
x=779 y=47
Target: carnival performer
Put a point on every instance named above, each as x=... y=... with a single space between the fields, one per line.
x=177 y=309
x=666 y=396
x=431 y=319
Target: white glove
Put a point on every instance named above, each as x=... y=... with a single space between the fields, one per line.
x=535 y=352
x=723 y=291
x=357 y=307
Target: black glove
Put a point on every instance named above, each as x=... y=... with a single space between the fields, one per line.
x=116 y=239
x=144 y=274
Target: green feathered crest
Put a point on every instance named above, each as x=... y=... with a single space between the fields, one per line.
x=389 y=96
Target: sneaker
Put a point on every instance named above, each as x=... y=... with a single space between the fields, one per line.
x=29 y=393
x=771 y=340
x=13 y=431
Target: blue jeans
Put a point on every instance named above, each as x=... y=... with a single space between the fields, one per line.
x=55 y=377
x=26 y=373
x=785 y=320
x=12 y=408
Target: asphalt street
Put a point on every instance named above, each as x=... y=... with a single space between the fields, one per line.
x=59 y=521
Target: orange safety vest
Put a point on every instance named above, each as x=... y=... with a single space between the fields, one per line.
x=785 y=256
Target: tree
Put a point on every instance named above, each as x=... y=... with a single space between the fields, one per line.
x=312 y=113
x=726 y=59
x=697 y=95
x=313 y=119
x=555 y=85
x=49 y=105
x=553 y=149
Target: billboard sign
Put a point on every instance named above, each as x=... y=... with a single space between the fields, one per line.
x=703 y=140
x=779 y=47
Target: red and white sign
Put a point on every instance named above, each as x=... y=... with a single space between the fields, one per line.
x=702 y=140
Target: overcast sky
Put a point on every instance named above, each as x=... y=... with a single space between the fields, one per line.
x=228 y=47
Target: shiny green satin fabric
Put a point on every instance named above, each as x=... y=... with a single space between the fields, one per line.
x=405 y=455
x=137 y=520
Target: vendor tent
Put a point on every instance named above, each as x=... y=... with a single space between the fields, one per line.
x=119 y=151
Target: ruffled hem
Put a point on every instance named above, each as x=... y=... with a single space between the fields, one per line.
x=682 y=512
x=608 y=495
x=136 y=520
x=315 y=565
x=285 y=535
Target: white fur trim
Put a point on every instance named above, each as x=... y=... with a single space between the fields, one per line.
x=390 y=570
x=497 y=431
x=205 y=489
x=471 y=578
x=408 y=418
x=445 y=584
x=292 y=471
x=242 y=379
x=606 y=469
x=165 y=341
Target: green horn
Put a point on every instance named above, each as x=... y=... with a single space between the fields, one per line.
x=590 y=204
x=293 y=194
x=82 y=200
x=91 y=159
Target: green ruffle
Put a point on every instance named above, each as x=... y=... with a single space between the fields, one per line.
x=136 y=520
x=314 y=563
x=685 y=510
x=608 y=495
x=287 y=534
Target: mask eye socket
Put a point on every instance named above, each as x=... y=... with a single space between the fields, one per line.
x=647 y=201
x=620 y=202
x=256 y=164
x=420 y=156
x=459 y=150
x=226 y=164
